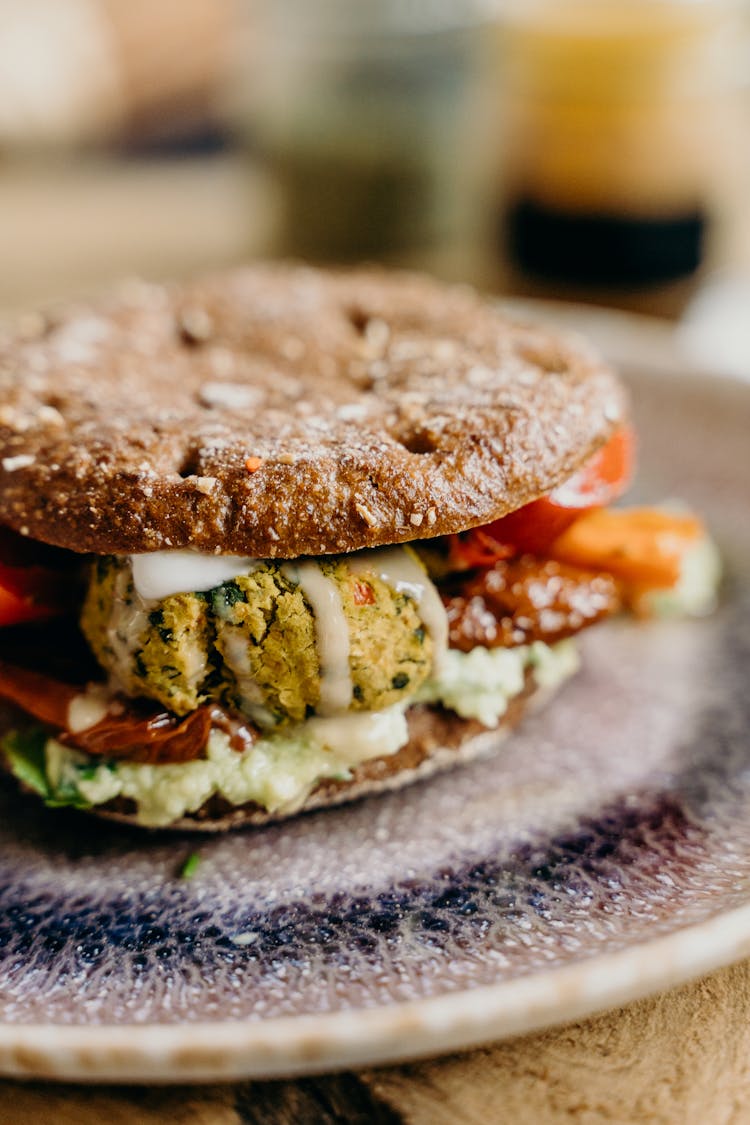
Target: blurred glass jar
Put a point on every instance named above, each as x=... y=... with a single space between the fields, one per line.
x=621 y=131
x=367 y=114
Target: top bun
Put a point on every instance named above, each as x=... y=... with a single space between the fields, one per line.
x=277 y=411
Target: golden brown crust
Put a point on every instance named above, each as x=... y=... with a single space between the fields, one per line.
x=276 y=411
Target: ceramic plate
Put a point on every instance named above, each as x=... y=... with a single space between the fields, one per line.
x=602 y=853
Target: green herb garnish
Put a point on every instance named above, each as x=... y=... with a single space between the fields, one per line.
x=190 y=866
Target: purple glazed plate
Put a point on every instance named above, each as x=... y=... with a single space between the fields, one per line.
x=602 y=853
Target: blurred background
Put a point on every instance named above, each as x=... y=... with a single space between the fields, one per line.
x=594 y=151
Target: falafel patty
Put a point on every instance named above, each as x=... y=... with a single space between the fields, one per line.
x=254 y=643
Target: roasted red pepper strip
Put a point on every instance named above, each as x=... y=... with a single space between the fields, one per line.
x=362 y=593
x=476 y=548
x=31 y=594
x=40 y=696
x=36 y=581
x=158 y=739
x=134 y=730
x=532 y=528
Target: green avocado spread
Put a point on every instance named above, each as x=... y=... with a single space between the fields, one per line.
x=280 y=770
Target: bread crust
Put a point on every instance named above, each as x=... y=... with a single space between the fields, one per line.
x=278 y=411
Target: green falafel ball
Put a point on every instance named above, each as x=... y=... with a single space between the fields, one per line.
x=390 y=651
x=265 y=632
x=162 y=649
x=252 y=642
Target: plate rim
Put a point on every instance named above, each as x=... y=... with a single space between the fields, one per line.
x=290 y=1046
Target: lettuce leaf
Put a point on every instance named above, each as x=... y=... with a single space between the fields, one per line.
x=25 y=753
x=24 y=750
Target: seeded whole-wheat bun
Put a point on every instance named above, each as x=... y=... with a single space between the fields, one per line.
x=277 y=410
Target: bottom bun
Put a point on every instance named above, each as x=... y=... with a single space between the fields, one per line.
x=438 y=740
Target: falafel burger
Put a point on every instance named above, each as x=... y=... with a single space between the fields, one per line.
x=278 y=538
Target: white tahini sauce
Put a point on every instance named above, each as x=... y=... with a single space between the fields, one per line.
x=127 y=623
x=161 y=574
x=403 y=573
x=237 y=658
x=361 y=735
x=331 y=634
x=88 y=709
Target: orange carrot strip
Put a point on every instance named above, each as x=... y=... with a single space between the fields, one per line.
x=640 y=546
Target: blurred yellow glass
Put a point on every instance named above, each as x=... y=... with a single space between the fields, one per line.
x=621 y=132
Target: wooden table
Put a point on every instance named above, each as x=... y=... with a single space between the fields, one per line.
x=680 y=1058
